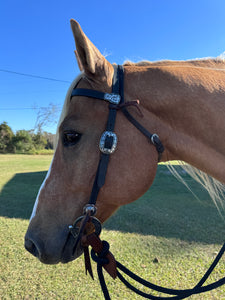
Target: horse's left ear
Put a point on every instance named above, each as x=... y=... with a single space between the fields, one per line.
x=78 y=61
x=88 y=56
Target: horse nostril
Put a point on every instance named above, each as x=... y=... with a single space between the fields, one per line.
x=30 y=247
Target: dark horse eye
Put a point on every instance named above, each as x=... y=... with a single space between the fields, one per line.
x=70 y=138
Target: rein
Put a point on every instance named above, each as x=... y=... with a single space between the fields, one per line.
x=86 y=229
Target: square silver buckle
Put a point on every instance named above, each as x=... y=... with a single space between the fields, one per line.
x=102 y=146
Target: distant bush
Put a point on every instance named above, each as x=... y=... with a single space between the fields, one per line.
x=22 y=142
x=25 y=141
x=39 y=152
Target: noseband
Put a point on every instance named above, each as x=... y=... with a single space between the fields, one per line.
x=81 y=227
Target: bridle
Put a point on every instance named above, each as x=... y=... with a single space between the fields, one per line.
x=87 y=228
x=108 y=140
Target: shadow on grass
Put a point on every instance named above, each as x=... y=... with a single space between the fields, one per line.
x=168 y=209
x=18 y=195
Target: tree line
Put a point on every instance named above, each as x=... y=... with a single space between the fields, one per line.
x=24 y=141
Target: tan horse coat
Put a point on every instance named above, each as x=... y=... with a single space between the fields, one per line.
x=183 y=102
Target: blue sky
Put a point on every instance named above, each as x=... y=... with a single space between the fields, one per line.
x=36 y=39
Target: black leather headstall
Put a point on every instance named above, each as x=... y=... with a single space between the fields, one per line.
x=108 y=140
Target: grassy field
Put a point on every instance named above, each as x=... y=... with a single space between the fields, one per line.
x=168 y=237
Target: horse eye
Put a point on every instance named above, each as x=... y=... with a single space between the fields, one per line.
x=70 y=138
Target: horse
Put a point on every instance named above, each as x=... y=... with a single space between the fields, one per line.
x=181 y=101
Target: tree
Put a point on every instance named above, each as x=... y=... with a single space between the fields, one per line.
x=46 y=116
x=22 y=141
x=39 y=141
x=6 y=136
x=50 y=140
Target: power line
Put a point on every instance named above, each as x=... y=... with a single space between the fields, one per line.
x=33 y=76
x=27 y=108
x=22 y=108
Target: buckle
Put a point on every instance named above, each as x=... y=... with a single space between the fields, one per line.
x=112 y=98
x=154 y=139
x=102 y=144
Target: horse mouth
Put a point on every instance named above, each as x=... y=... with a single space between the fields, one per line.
x=54 y=254
x=70 y=252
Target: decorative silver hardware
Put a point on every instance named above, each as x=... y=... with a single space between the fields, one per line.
x=152 y=138
x=112 y=98
x=102 y=146
x=90 y=208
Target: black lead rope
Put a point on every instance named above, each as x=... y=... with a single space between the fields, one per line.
x=107 y=146
x=177 y=294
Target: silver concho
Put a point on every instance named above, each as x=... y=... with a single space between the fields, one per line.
x=112 y=98
x=102 y=146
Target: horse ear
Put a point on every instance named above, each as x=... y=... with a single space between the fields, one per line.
x=78 y=60
x=88 y=56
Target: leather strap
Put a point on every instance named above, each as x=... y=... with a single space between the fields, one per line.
x=153 y=138
x=86 y=93
x=104 y=158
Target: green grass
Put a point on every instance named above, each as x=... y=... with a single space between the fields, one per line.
x=168 y=237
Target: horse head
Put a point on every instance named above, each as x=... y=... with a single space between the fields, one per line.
x=68 y=184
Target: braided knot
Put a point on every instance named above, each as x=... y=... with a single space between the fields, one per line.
x=100 y=258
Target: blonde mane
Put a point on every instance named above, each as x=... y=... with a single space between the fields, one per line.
x=210 y=63
x=215 y=189
x=195 y=62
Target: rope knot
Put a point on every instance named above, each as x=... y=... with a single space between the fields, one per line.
x=100 y=258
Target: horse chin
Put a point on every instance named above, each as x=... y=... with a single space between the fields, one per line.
x=69 y=253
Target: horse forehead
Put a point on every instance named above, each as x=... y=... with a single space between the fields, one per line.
x=83 y=107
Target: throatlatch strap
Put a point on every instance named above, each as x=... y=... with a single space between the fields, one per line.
x=156 y=141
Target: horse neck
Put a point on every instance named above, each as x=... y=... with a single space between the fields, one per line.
x=185 y=105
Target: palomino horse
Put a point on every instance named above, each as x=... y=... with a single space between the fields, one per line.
x=183 y=102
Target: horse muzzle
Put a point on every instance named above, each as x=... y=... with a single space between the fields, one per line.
x=52 y=251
